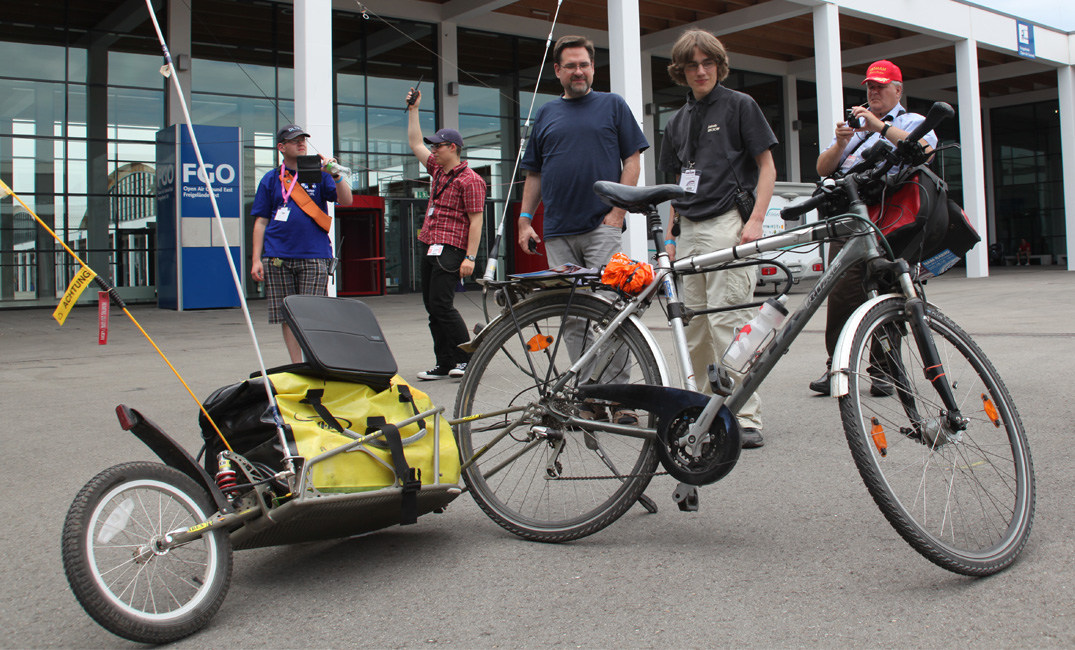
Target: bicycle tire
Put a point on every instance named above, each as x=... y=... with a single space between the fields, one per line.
x=122 y=581
x=520 y=497
x=964 y=500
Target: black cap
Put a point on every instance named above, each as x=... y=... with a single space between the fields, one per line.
x=445 y=135
x=290 y=132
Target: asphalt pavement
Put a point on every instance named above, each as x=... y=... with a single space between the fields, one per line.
x=788 y=551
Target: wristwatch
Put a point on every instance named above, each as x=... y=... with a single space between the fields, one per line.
x=472 y=258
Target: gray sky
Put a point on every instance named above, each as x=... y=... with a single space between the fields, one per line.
x=1052 y=13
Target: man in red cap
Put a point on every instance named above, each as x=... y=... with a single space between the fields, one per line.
x=881 y=119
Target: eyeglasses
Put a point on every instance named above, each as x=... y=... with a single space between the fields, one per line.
x=584 y=66
x=438 y=145
x=693 y=66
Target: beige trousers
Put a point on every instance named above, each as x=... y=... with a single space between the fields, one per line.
x=708 y=336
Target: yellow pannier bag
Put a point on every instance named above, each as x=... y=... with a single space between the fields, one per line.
x=313 y=408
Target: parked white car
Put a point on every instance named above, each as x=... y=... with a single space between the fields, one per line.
x=804 y=262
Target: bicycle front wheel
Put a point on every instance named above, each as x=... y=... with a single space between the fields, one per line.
x=540 y=478
x=963 y=499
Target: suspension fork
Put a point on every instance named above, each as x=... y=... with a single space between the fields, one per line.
x=933 y=366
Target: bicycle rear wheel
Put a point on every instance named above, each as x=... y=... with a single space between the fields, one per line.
x=963 y=499
x=542 y=479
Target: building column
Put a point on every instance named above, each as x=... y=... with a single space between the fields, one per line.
x=1066 y=88
x=180 y=48
x=314 y=103
x=448 y=73
x=970 y=138
x=625 y=60
x=791 y=133
x=828 y=70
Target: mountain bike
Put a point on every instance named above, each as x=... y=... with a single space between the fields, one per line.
x=567 y=408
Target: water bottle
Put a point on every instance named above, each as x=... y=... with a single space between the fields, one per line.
x=752 y=337
x=336 y=169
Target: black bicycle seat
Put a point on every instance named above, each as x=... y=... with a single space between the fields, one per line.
x=635 y=199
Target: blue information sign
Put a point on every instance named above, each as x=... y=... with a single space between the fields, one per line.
x=1025 y=37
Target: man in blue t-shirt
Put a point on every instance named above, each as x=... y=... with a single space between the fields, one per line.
x=291 y=250
x=581 y=138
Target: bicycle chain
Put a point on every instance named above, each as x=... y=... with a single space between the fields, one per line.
x=598 y=478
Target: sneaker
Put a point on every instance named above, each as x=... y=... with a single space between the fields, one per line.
x=437 y=372
x=458 y=371
x=751 y=438
x=880 y=387
x=822 y=384
x=630 y=418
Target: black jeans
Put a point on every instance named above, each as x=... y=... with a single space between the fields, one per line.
x=846 y=296
x=440 y=277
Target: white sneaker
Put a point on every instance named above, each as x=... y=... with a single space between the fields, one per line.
x=458 y=371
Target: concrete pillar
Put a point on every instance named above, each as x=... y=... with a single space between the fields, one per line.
x=791 y=134
x=314 y=103
x=828 y=70
x=624 y=50
x=1066 y=88
x=179 y=45
x=448 y=73
x=970 y=139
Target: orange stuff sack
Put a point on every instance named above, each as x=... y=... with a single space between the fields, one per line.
x=627 y=275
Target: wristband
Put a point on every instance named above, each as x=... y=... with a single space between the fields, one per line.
x=526 y=215
x=884 y=129
x=669 y=241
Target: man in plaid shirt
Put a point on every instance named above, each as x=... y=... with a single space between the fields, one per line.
x=449 y=236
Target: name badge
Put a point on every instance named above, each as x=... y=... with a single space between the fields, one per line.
x=688 y=180
x=435 y=250
x=282 y=213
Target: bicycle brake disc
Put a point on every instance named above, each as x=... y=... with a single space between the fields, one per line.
x=698 y=461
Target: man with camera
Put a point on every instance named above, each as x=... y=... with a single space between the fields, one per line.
x=291 y=251
x=881 y=120
x=719 y=146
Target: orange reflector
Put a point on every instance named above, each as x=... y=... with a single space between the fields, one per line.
x=878 y=434
x=538 y=342
x=991 y=410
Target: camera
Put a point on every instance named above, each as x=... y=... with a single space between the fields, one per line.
x=852 y=121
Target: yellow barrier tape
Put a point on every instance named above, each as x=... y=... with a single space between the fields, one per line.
x=81 y=280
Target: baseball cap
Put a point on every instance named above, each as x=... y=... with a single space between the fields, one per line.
x=290 y=132
x=883 y=72
x=445 y=135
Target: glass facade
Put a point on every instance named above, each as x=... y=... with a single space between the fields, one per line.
x=82 y=97
x=1028 y=187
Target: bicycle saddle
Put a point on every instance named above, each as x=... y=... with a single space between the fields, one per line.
x=635 y=199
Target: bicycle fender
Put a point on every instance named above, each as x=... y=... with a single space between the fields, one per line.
x=658 y=355
x=839 y=385
x=169 y=451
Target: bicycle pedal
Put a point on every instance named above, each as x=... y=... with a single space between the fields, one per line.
x=719 y=380
x=686 y=496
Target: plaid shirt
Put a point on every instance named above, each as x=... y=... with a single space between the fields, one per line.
x=452 y=197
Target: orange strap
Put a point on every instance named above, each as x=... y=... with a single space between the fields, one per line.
x=303 y=200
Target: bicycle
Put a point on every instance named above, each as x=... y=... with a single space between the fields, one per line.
x=945 y=457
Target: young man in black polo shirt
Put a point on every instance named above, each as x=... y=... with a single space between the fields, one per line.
x=718 y=144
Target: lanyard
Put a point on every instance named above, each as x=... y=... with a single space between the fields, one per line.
x=447 y=182
x=286 y=193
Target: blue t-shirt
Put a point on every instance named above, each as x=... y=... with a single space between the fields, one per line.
x=299 y=237
x=574 y=143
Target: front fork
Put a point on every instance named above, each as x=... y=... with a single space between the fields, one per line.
x=933 y=365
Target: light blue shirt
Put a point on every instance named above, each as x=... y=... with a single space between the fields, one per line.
x=861 y=142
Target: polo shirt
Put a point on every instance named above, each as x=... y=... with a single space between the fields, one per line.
x=731 y=131
x=299 y=237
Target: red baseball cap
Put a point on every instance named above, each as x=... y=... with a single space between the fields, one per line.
x=883 y=72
